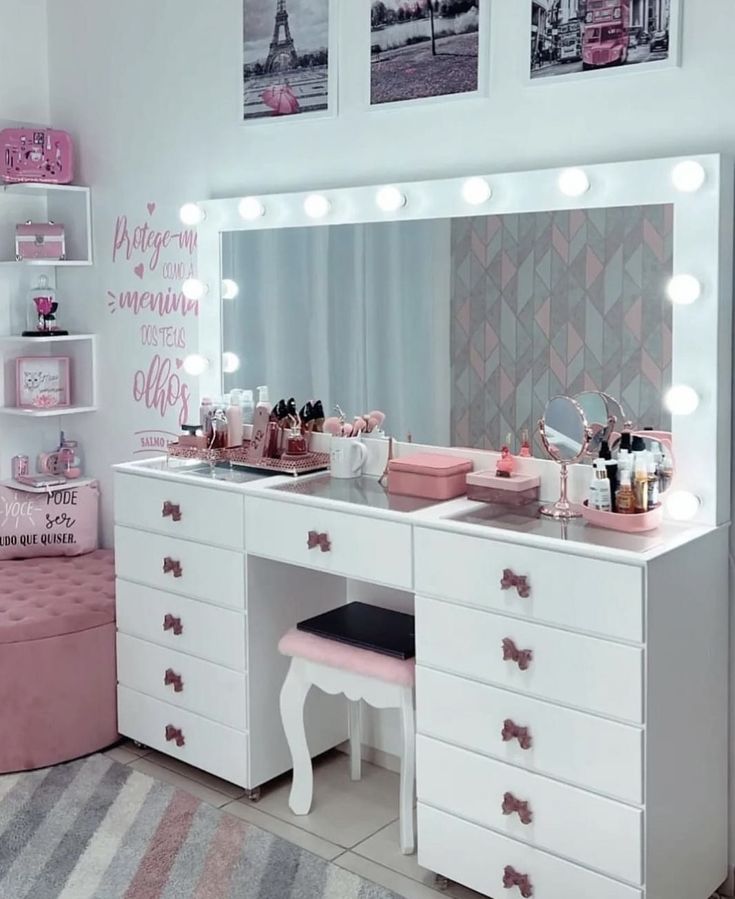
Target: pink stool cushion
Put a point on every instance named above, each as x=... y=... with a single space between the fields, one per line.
x=42 y=598
x=301 y=645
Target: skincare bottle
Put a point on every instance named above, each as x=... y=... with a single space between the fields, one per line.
x=248 y=406
x=234 y=420
x=640 y=482
x=205 y=416
x=600 y=494
x=653 y=488
x=639 y=445
x=525 y=452
x=625 y=442
x=625 y=498
x=261 y=422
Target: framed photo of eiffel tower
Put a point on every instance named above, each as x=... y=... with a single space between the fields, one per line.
x=287 y=69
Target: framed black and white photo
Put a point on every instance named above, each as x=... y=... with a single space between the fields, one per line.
x=287 y=69
x=428 y=49
x=587 y=38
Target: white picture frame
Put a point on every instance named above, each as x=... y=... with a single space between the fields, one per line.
x=485 y=40
x=332 y=107
x=672 y=60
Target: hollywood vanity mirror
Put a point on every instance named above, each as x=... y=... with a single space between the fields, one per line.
x=461 y=307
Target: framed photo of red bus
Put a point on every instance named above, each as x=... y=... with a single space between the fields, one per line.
x=588 y=38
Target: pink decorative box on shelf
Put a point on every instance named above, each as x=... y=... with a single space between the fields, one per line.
x=36 y=154
x=517 y=490
x=429 y=476
x=40 y=240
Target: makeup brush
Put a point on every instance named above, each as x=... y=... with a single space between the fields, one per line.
x=379 y=418
x=347 y=430
x=333 y=426
x=358 y=426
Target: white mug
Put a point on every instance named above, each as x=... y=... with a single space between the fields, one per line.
x=347 y=457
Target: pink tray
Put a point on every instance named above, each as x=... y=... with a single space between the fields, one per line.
x=295 y=465
x=631 y=524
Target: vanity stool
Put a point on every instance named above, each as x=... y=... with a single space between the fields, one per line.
x=382 y=681
x=57 y=659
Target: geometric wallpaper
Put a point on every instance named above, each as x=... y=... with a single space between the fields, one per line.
x=557 y=303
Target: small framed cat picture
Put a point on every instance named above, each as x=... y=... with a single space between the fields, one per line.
x=42 y=382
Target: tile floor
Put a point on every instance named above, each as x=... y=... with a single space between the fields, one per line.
x=355 y=825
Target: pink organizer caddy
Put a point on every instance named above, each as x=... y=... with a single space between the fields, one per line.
x=36 y=154
x=429 y=476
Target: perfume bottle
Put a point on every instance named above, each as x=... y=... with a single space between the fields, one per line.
x=42 y=311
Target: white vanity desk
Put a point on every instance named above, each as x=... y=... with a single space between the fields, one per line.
x=618 y=728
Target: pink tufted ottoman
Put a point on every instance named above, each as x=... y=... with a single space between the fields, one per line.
x=57 y=659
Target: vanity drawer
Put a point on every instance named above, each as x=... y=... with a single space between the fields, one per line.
x=596 y=832
x=209 y=690
x=573 y=746
x=195 y=570
x=478 y=858
x=212 y=747
x=573 y=591
x=186 y=625
x=579 y=671
x=180 y=510
x=364 y=548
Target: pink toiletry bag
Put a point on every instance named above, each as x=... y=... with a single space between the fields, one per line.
x=36 y=154
x=429 y=476
x=40 y=240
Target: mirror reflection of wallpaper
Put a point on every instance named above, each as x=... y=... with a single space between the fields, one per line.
x=558 y=303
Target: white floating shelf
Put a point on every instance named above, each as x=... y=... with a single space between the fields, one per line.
x=47 y=263
x=43 y=341
x=26 y=488
x=46 y=413
x=36 y=186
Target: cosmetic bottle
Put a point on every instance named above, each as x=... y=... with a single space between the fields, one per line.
x=261 y=424
x=612 y=471
x=653 y=486
x=625 y=442
x=665 y=472
x=525 y=452
x=638 y=445
x=505 y=464
x=640 y=482
x=219 y=437
x=205 y=416
x=234 y=419
x=600 y=493
x=625 y=497
x=248 y=406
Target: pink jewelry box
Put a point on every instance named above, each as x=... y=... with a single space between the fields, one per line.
x=429 y=476
x=517 y=490
x=40 y=240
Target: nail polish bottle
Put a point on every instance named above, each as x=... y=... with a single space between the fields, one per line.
x=525 y=445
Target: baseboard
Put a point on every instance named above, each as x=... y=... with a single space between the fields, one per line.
x=376 y=757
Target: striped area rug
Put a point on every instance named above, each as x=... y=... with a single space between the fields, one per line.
x=95 y=829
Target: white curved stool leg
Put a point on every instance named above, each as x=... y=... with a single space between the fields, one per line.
x=355 y=740
x=293 y=696
x=408 y=772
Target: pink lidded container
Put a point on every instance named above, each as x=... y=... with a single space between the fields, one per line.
x=429 y=476
x=517 y=490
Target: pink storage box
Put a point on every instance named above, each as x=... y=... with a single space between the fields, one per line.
x=640 y=523
x=40 y=240
x=429 y=476
x=36 y=154
x=517 y=490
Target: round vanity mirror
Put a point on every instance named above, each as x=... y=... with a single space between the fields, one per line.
x=565 y=435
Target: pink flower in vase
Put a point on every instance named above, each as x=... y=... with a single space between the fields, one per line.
x=44 y=305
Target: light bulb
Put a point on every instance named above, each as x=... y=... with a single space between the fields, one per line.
x=681 y=400
x=316 y=206
x=192 y=214
x=390 y=199
x=684 y=289
x=195 y=365
x=251 y=209
x=230 y=363
x=574 y=182
x=688 y=176
x=230 y=289
x=682 y=505
x=193 y=289
x=476 y=191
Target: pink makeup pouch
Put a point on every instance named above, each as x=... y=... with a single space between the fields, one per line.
x=36 y=154
x=429 y=476
x=61 y=523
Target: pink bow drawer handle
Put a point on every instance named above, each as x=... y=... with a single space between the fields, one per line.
x=513 y=806
x=175 y=735
x=171 y=566
x=319 y=541
x=170 y=623
x=511 y=653
x=512 y=878
x=512 y=731
x=171 y=679
x=171 y=510
x=511 y=580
